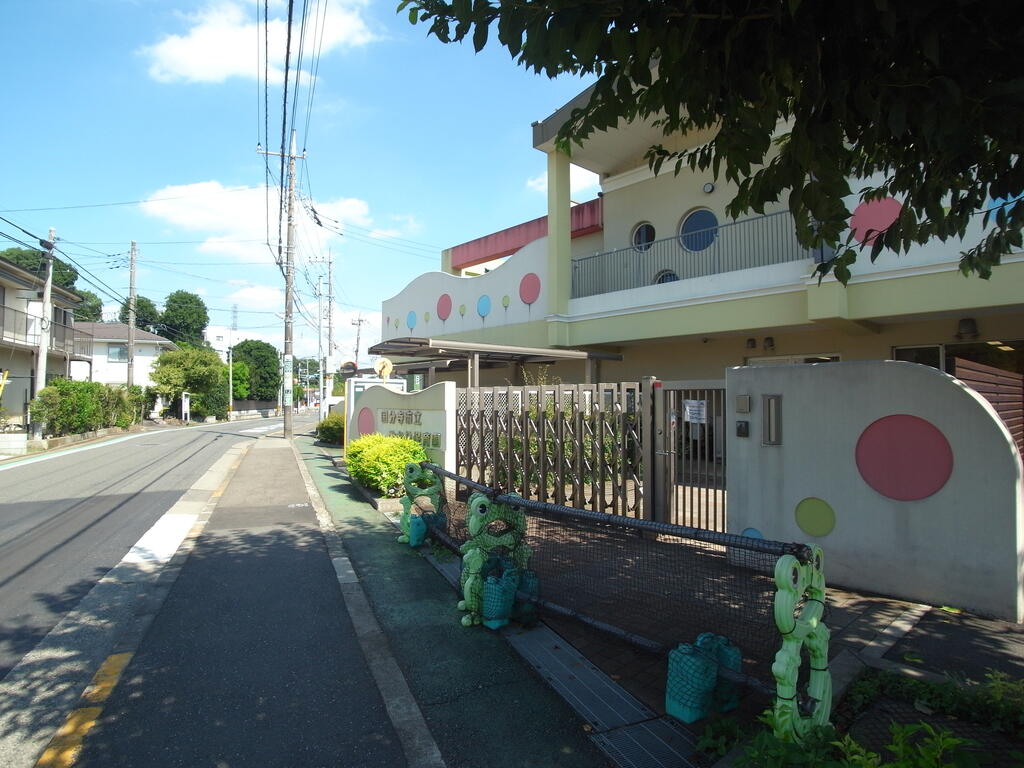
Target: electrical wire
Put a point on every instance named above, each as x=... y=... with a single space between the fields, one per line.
x=129 y=202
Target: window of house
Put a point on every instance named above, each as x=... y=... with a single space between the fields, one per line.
x=643 y=236
x=792 y=359
x=117 y=353
x=665 y=276
x=698 y=230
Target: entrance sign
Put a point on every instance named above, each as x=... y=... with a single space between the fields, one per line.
x=695 y=411
x=426 y=416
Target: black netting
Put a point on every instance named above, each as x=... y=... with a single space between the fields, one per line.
x=652 y=584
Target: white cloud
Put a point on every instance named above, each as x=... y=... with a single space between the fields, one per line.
x=234 y=219
x=581 y=182
x=222 y=38
x=266 y=298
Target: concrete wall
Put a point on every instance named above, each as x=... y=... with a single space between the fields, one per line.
x=924 y=505
x=439 y=304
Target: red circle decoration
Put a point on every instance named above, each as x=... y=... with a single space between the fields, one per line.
x=529 y=288
x=444 y=306
x=904 y=457
x=872 y=218
x=367 y=424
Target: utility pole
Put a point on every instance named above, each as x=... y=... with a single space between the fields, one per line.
x=321 y=407
x=328 y=372
x=231 y=372
x=358 y=323
x=131 y=316
x=289 y=289
x=44 y=323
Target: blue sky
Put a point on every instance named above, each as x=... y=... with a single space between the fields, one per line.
x=412 y=146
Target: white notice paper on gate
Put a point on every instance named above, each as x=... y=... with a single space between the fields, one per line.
x=695 y=411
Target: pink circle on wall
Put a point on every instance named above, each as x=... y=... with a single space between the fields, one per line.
x=444 y=306
x=366 y=423
x=872 y=218
x=904 y=457
x=529 y=288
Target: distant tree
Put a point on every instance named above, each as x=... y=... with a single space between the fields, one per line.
x=264 y=368
x=91 y=308
x=188 y=369
x=241 y=376
x=64 y=275
x=184 y=318
x=147 y=316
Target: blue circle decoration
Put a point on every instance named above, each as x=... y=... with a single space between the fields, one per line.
x=698 y=230
x=410 y=320
x=752 y=533
x=483 y=305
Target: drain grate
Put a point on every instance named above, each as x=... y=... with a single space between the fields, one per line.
x=661 y=743
x=596 y=697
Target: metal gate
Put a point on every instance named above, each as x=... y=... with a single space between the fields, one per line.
x=689 y=453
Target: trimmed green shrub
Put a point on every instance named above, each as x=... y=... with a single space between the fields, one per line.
x=331 y=429
x=73 y=407
x=378 y=462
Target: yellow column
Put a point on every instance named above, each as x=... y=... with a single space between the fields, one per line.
x=559 y=282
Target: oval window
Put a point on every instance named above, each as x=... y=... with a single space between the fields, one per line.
x=643 y=236
x=666 y=276
x=698 y=230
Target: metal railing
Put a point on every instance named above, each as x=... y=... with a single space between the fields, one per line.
x=756 y=242
x=19 y=327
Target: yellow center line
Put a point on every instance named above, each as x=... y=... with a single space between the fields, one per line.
x=64 y=747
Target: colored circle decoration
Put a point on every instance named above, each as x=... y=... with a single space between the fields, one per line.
x=410 y=320
x=444 y=306
x=505 y=301
x=462 y=310
x=396 y=322
x=529 y=288
x=904 y=457
x=872 y=218
x=752 y=533
x=366 y=423
x=426 y=317
x=483 y=305
x=815 y=516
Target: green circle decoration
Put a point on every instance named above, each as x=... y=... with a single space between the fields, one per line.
x=426 y=317
x=505 y=301
x=815 y=517
x=462 y=309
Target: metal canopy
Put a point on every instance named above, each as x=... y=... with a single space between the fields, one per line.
x=448 y=354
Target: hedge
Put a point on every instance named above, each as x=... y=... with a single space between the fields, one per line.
x=378 y=462
x=73 y=407
x=331 y=429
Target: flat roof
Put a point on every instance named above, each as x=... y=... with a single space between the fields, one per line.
x=444 y=350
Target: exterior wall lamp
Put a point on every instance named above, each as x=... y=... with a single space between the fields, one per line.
x=967 y=329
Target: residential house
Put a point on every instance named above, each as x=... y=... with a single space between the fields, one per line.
x=21 y=323
x=110 y=354
x=654 y=270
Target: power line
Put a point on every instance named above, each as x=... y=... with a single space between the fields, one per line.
x=130 y=202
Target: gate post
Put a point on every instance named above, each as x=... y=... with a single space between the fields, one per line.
x=652 y=401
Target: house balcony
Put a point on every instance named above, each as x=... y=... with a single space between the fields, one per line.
x=22 y=329
x=761 y=241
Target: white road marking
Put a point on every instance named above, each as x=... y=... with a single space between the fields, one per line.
x=104 y=443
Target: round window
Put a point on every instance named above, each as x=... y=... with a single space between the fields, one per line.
x=643 y=236
x=666 y=276
x=698 y=230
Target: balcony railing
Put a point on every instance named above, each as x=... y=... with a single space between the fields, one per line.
x=17 y=327
x=757 y=242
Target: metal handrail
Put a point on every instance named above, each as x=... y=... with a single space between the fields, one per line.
x=754 y=242
x=19 y=327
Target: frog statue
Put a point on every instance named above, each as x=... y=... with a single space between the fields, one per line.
x=497 y=548
x=419 y=481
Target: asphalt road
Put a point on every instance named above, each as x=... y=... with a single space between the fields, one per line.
x=69 y=518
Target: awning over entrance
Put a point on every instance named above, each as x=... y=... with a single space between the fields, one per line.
x=434 y=355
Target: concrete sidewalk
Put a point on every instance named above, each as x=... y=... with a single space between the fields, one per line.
x=252 y=660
